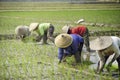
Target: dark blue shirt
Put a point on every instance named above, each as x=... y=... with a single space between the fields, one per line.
x=73 y=48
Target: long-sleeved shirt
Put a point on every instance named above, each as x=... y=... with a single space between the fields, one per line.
x=73 y=48
x=22 y=30
x=113 y=49
x=80 y=30
x=42 y=28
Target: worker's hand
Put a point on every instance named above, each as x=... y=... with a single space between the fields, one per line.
x=51 y=39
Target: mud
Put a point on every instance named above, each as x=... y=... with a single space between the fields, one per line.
x=7 y=36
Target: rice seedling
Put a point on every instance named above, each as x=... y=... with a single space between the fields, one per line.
x=28 y=60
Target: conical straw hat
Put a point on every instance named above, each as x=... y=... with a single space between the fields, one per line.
x=63 y=40
x=33 y=26
x=101 y=43
x=80 y=21
x=65 y=29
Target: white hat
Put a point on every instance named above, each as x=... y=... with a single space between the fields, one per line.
x=101 y=43
x=63 y=40
x=80 y=21
x=65 y=29
x=33 y=26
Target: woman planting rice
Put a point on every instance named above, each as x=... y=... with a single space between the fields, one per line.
x=22 y=31
x=69 y=45
x=106 y=46
x=44 y=30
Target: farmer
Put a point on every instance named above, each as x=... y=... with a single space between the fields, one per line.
x=22 y=31
x=80 y=30
x=106 y=46
x=69 y=45
x=44 y=30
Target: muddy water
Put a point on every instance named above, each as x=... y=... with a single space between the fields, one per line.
x=93 y=58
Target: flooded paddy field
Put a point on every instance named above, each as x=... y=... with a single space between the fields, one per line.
x=28 y=60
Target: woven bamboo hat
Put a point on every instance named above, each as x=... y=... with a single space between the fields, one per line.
x=80 y=21
x=65 y=28
x=63 y=40
x=101 y=43
x=33 y=26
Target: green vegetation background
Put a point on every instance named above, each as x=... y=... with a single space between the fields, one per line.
x=19 y=60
